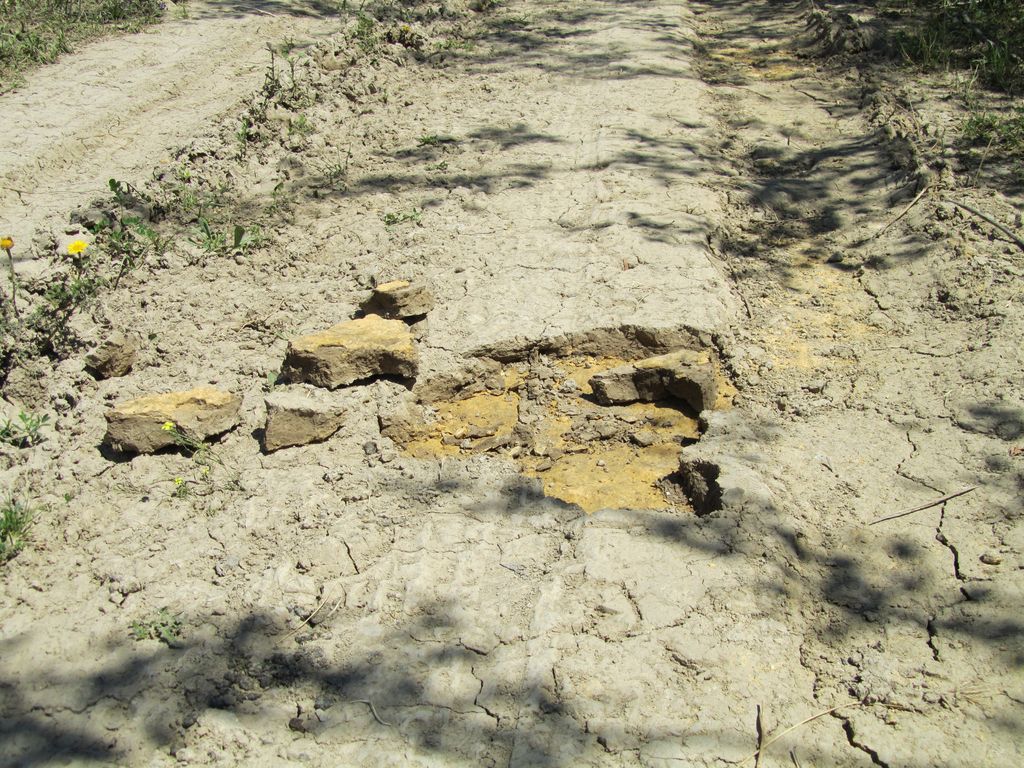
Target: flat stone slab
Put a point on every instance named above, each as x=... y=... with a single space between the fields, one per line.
x=400 y=299
x=300 y=417
x=138 y=426
x=685 y=375
x=351 y=351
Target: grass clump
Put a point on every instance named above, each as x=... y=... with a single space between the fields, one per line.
x=34 y=32
x=984 y=35
x=991 y=129
x=15 y=519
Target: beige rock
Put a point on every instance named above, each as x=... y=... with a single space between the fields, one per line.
x=685 y=375
x=351 y=351
x=115 y=356
x=136 y=426
x=399 y=298
x=300 y=417
x=402 y=425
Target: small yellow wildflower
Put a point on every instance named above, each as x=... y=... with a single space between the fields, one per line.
x=168 y=426
x=179 y=481
x=77 y=247
x=6 y=242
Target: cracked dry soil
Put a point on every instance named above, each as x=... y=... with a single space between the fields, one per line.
x=469 y=588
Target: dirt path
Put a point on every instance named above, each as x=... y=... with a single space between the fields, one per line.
x=120 y=107
x=588 y=183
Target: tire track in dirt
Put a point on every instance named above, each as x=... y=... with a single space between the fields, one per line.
x=120 y=106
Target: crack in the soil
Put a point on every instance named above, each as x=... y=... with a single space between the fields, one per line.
x=852 y=739
x=933 y=635
x=348 y=550
x=941 y=537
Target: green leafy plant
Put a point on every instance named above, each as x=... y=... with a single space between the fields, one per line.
x=199 y=451
x=24 y=432
x=76 y=282
x=162 y=626
x=243 y=136
x=243 y=239
x=365 y=33
x=394 y=218
x=15 y=518
x=209 y=239
x=300 y=126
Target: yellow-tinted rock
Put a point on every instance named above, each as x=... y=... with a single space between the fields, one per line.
x=352 y=351
x=137 y=426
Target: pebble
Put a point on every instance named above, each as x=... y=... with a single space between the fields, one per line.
x=991 y=558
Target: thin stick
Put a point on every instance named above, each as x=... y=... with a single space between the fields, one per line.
x=793 y=727
x=903 y=213
x=1005 y=230
x=308 y=618
x=373 y=710
x=760 y=737
x=929 y=505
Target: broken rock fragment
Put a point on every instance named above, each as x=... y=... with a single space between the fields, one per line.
x=352 y=351
x=399 y=298
x=114 y=357
x=404 y=423
x=300 y=417
x=684 y=375
x=137 y=426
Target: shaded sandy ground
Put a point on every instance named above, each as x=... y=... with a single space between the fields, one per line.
x=346 y=604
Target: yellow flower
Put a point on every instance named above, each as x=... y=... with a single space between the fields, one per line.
x=179 y=481
x=6 y=242
x=168 y=426
x=77 y=247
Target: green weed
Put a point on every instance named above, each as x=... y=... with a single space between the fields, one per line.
x=24 y=432
x=394 y=218
x=213 y=242
x=163 y=626
x=984 y=35
x=243 y=239
x=15 y=519
x=300 y=126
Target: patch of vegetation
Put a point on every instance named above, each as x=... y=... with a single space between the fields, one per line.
x=163 y=626
x=24 y=432
x=984 y=35
x=34 y=32
x=1005 y=131
x=434 y=140
x=15 y=519
x=393 y=218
